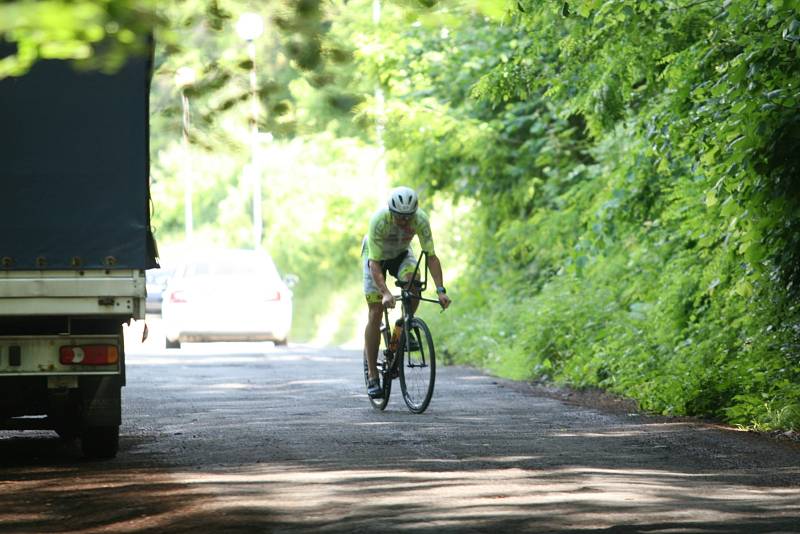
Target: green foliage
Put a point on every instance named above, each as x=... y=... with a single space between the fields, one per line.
x=318 y=193
x=635 y=168
x=97 y=35
x=305 y=173
x=320 y=196
x=615 y=183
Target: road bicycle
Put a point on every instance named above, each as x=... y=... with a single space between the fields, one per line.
x=408 y=352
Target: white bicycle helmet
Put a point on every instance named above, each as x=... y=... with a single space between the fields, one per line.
x=403 y=200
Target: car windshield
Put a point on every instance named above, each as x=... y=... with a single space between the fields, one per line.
x=223 y=269
x=158 y=276
x=244 y=265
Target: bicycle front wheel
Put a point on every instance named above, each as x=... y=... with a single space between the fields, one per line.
x=417 y=366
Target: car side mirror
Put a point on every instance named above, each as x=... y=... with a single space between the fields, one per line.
x=291 y=280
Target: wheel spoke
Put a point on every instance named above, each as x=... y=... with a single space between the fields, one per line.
x=418 y=370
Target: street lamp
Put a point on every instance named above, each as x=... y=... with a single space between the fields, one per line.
x=185 y=77
x=380 y=121
x=250 y=26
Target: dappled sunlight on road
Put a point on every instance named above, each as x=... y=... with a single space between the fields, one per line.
x=189 y=360
x=316 y=382
x=413 y=495
x=223 y=357
x=465 y=498
x=251 y=437
x=152 y=351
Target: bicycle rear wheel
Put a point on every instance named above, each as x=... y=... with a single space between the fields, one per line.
x=379 y=404
x=418 y=367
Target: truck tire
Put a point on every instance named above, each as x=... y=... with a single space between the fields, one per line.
x=64 y=411
x=100 y=442
x=173 y=344
x=67 y=432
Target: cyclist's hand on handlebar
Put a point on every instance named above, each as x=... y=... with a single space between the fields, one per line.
x=444 y=300
x=388 y=300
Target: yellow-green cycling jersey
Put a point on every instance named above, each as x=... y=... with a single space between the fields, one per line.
x=387 y=240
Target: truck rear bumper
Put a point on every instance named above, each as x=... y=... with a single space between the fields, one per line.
x=29 y=403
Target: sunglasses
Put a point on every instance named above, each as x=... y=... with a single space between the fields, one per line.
x=403 y=217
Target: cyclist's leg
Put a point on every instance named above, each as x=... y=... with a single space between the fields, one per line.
x=372 y=337
x=406 y=271
x=372 y=332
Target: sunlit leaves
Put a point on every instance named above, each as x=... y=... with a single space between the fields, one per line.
x=673 y=197
x=99 y=34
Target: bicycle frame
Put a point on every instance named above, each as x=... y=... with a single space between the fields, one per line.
x=407 y=296
x=415 y=347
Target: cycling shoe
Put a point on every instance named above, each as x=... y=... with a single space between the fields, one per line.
x=374 y=389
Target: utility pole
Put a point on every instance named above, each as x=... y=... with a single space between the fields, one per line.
x=185 y=77
x=380 y=167
x=249 y=27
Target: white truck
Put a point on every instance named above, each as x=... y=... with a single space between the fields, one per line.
x=75 y=242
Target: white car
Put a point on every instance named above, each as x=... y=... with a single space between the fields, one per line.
x=227 y=295
x=156 y=281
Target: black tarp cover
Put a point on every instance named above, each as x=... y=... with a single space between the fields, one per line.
x=74 y=168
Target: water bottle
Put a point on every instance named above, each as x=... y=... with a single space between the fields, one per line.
x=395 y=341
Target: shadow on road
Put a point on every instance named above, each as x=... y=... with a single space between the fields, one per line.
x=55 y=492
x=282 y=441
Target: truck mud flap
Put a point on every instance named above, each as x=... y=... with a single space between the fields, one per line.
x=102 y=404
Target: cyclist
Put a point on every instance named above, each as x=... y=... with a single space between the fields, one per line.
x=387 y=247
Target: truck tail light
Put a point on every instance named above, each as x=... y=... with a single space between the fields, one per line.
x=89 y=355
x=178 y=296
x=274 y=295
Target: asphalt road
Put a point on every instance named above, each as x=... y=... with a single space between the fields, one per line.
x=251 y=438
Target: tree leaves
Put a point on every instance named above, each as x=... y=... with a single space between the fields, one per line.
x=671 y=201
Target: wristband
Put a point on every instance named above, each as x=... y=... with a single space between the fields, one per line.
x=441 y=290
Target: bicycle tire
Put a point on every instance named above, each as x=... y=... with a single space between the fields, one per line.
x=418 y=367
x=378 y=404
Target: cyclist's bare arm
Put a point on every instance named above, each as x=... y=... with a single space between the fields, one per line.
x=380 y=281
x=435 y=267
